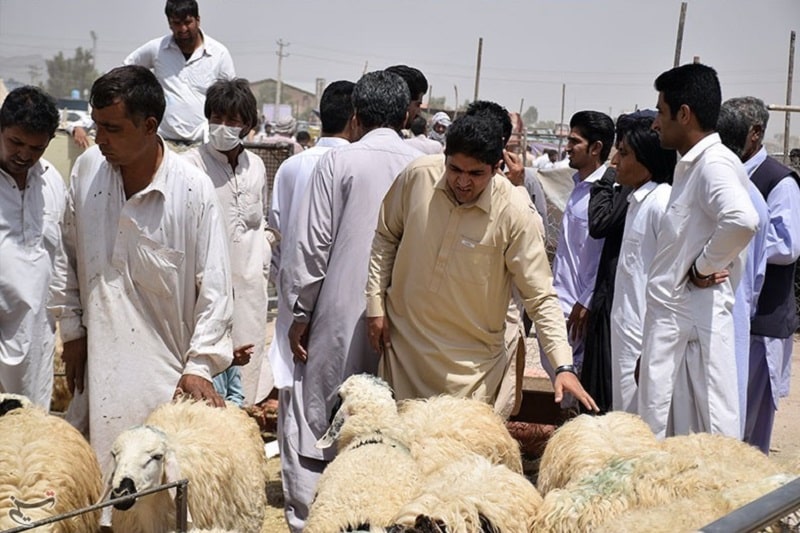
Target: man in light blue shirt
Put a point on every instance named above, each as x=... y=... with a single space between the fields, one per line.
x=577 y=254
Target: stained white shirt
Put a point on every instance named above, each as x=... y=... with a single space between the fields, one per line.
x=148 y=283
x=646 y=206
x=291 y=182
x=185 y=82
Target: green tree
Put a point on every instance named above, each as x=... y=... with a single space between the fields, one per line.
x=436 y=102
x=65 y=74
x=531 y=116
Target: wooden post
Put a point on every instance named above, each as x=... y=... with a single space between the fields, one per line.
x=455 y=108
x=679 y=40
x=560 y=137
x=788 y=120
x=478 y=67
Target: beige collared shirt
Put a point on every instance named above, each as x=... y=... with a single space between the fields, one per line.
x=442 y=274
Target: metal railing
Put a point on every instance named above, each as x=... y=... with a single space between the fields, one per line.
x=760 y=513
x=181 y=509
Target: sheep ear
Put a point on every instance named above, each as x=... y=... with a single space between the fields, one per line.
x=172 y=471
x=330 y=436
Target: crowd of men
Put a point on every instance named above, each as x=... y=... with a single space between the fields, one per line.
x=670 y=294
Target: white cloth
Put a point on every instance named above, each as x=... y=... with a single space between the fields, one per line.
x=747 y=293
x=688 y=379
x=149 y=280
x=185 y=82
x=243 y=197
x=542 y=162
x=646 y=206
x=425 y=145
x=291 y=182
x=30 y=243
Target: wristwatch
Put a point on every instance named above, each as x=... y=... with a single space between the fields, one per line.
x=566 y=368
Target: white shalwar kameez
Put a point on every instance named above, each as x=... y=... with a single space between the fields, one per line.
x=243 y=195
x=688 y=379
x=646 y=206
x=30 y=241
x=152 y=292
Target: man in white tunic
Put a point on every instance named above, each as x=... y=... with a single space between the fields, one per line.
x=32 y=202
x=337 y=217
x=291 y=181
x=688 y=379
x=186 y=62
x=240 y=179
x=146 y=300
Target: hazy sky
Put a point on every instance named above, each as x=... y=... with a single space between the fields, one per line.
x=607 y=52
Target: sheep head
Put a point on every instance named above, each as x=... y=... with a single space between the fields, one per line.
x=142 y=460
x=9 y=402
x=367 y=405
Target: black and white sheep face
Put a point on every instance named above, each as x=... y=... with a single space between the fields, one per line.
x=9 y=402
x=141 y=460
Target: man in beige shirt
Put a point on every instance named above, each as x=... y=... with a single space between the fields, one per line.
x=449 y=245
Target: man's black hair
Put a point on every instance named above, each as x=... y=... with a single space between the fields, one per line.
x=414 y=78
x=180 y=9
x=231 y=98
x=336 y=106
x=595 y=126
x=644 y=141
x=380 y=100
x=696 y=86
x=496 y=112
x=418 y=125
x=136 y=87
x=31 y=109
x=477 y=136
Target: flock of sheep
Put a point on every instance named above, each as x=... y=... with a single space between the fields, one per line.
x=425 y=466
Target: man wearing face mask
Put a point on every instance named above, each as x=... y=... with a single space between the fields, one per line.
x=240 y=180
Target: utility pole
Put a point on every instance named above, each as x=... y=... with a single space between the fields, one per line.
x=788 y=120
x=278 y=80
x=679 y=40
x=94 y=48
x=478 y=68
x=561 y=122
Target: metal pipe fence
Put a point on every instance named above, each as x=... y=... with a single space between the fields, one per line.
x=181 y=507
x=776 y=510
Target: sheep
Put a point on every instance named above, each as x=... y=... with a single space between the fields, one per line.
x=584 y=444
x=690 y=514
x=472 y=494
x=219 y=451
x=442 y=428
x=373 y=473
x=696 y=467
x=46 y=468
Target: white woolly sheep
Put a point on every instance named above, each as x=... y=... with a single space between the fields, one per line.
x=373 y=473
x=696 y=467
x=219 y=451
x=46 y=468
x=441 y=429
x=472 y=494
x=690 y=514
x=583 y=445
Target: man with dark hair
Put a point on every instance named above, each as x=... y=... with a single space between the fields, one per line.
x=240 y=180
x=186 y=62
x=742 y=125
x=688 y=379
x=577 y=253
x=419 y=139
x=417 y=86
x=32 y=202
x=450 y=243
x=325 y=271
x=145 y=301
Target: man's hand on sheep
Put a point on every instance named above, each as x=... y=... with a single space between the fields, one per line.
x=74 y=357
x=378 y=333
x=199 y=389
x=242 y=354
x=568 y=382
x=298 y=341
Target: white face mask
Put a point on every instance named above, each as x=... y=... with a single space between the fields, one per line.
x=224 y=138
